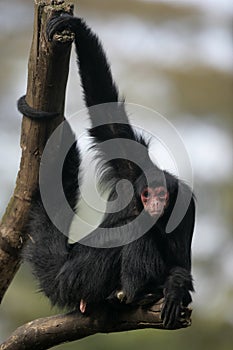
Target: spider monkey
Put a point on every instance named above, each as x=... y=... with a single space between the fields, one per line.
x=154 y=265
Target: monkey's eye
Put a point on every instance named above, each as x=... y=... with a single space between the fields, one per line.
x=162 y=194
x=146 y=193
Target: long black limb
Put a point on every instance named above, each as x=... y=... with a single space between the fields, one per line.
x=107 y=112
x=97 y=81
x=95 y=72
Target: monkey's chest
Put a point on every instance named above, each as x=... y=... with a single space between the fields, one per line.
x=144 y=259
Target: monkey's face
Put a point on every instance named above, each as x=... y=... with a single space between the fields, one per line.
x=155 y=200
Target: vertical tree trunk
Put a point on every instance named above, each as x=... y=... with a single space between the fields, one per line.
x=47 y=77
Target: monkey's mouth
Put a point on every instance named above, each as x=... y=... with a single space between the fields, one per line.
x=156 y=213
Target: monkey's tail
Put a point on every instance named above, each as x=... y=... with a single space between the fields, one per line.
x=47 y=249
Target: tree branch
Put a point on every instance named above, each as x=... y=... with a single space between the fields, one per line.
x=46 y=332
x=47 y=76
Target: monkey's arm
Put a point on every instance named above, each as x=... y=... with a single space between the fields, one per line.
x=97 y=80
x=179 y=282
x=108 y=116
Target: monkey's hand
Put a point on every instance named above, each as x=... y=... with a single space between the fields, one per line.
x=176 y=295
x=174 y=303
x=171 y=311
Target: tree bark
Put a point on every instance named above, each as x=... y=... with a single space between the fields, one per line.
x=47 y=76
x=47 y=332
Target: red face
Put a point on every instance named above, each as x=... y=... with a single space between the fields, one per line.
x=155 y=200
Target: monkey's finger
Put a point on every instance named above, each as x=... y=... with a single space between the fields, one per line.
x=175 y=316
x=169 y=321
x=168 y=315
x=164 y=309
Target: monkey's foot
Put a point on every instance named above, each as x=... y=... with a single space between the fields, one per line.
x=142 y=300
x=120 y=295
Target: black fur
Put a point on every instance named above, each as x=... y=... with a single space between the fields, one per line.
x=30 y=112
x=156 y=262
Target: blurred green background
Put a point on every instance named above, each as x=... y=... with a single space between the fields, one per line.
x=176 y=58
